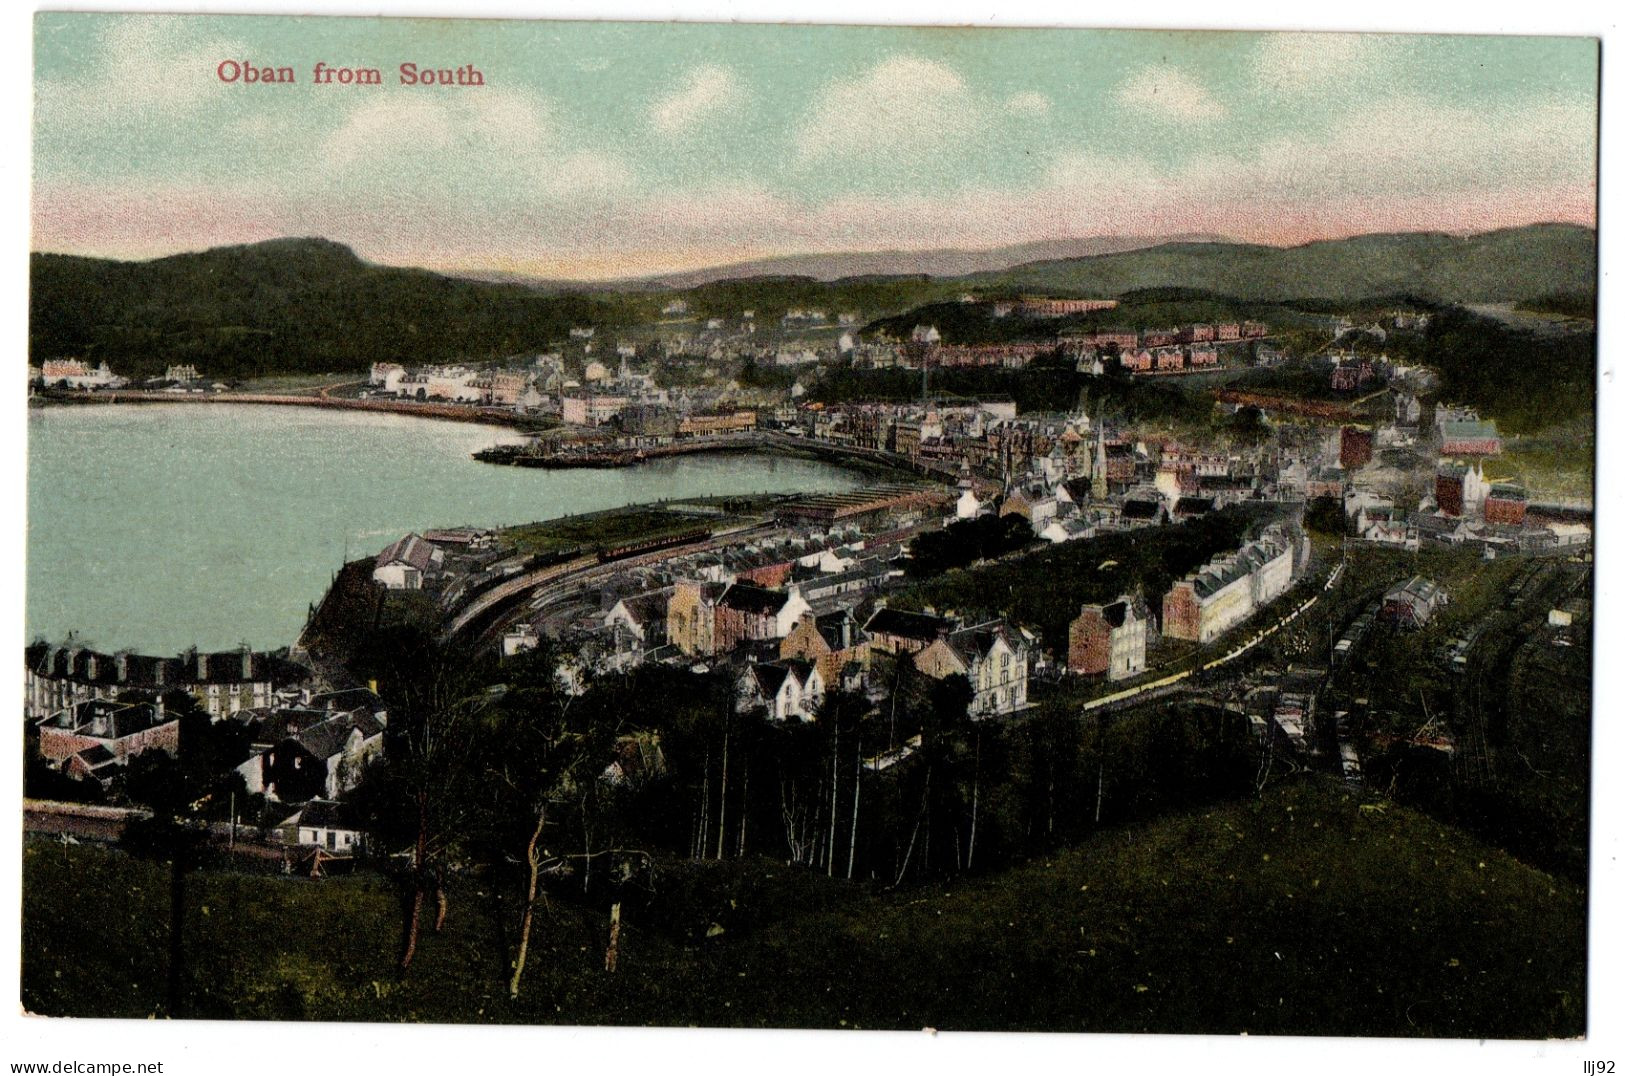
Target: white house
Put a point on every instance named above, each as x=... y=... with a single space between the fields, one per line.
x=78 y=375
x=323 y=824
x=779 y=687
x=386 y=376
x=407 y=563
x=991 y=657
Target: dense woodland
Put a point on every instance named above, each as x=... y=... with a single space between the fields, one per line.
x=495 y=771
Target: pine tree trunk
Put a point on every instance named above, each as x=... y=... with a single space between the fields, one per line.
x=530 y=904
x=834 y=800
x=412 y=922
x=744 y=807
x=722 y=798
x=613 y=952
x=1100 y=791
x=705 y=810
x=975 y=801
x=925 y=849
x=420 y=854
x=857 y=790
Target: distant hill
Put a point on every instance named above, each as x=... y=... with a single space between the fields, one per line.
x=1509 y=265
x=284 y=306
x=310 y=305
x=946 y=262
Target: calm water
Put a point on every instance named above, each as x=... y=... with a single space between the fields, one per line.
x=159 y=527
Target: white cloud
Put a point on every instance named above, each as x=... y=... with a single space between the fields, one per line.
x=1027 y=104
x=707 y=93
x=585 y=172
x=495 y=144
x=1402 y=163
x=1305 y=63
x=147 y=66
x=1169 y=94
x=903 y=105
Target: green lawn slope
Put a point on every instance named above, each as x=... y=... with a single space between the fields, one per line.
x=1303 y=912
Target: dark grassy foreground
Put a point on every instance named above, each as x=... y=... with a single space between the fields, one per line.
x=1302 y=913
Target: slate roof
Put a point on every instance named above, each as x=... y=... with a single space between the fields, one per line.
x=106 y=719
x=977 y=641
x=1142 y=509
x=325 y=814
x=1193 y=506
x=748 y=598
x=328 y=738
x=1078 y=489
x=1470 y=430
x=1222 y=571
x=410 y=550
x=87 y=666
x=836 y=628
x=648 y=607
x=1415 y=588
x=94 y=758
x=350 y=699
x=909 y=625
x=769 y=677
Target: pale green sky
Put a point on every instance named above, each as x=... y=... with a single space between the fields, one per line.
x=598 y=149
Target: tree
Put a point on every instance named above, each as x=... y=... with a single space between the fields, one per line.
x=1325 y=515
x=176 y=789
x=440 y=720
x=1247 y=426
x=552 y=742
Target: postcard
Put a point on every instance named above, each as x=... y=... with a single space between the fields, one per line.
x=810 y=527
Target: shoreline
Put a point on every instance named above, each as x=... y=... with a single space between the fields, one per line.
x=480 y=416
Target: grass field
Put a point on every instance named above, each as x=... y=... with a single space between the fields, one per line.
x=1556 y=463
x=1302 y=912
x=596 y=530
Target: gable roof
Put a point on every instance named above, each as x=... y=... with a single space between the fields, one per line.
x=1469 y=430
x=325 y=814
x=412 y=551
x=748 y=598
x=909 y=625
x=976 y=642
x=1077 y=489
x=1224 y=570
x=328 y=738
x=1142 y=509
x=349 y=699
x=770 y=677
x=836 y=628
x=647 y=607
